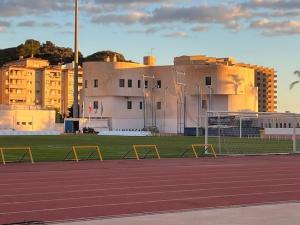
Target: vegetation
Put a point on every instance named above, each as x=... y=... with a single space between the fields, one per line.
x=55 y=148
x=54 y=54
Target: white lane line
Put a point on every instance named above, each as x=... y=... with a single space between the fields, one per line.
x=145 y=202
x=152 y=192
x=137 y=179
x=149 y=179
x=79 y=190
x=168 y=173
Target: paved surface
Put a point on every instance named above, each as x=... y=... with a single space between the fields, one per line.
x=276 y=214
x=69 y=191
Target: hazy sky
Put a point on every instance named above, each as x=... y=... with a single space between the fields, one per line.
x=263 y=32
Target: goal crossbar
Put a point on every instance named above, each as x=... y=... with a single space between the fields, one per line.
x=207 y=147
x=25 y=150
x=138 y=156
x=75 y=149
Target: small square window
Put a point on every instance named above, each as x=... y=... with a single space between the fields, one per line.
x=129 y=83
x=207 y=81
x=95 y=105
x=121 y=83
x=96 y=83
x=158 y=83
x=129 y=104
x=158 y=105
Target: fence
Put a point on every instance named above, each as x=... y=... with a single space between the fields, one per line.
x=253 y=133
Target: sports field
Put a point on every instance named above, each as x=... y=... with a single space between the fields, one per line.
x=55 y=148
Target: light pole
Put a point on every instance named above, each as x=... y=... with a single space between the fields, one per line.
x=75 y=102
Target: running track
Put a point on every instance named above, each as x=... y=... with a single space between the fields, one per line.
x=69 y=190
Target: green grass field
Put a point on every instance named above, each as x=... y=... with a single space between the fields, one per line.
x=54 y=148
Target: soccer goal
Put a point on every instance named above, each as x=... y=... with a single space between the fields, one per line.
x=79 y=153
x=142 y=152
x=200 y=150
x=17 y=154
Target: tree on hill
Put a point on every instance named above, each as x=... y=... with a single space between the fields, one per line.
x=49 y=51
x=102 y=56
x=30 y=47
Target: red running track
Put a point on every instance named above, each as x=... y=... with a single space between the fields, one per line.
x=69 y=190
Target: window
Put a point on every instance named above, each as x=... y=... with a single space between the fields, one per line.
x=146 y=84
x=139 y=83
x=121 y=83
x=290 y=125
x=141 y=105
x=30 y=123
x=95 y=105
x=129 y=83
x=23 y=123
x=85 y=84
x=158 y=83
x=204 y=104
x=284 y=125
x=95 y=83
x=158 y=105
x=129 y=104
x=207 y=81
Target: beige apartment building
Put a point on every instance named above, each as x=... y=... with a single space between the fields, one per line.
x=172 y=97
x=266 y=81
x=33 y=81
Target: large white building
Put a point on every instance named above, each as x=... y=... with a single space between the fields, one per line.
x=170 y=98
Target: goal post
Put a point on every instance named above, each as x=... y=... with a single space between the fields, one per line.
x=90 y=150
x=135 y=149
x=206 y=147
x=6 y=154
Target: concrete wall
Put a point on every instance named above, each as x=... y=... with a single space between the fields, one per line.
x=27 y=120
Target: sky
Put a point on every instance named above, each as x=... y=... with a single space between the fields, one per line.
x=261 y=32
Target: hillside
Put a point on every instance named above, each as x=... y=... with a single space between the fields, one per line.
x=54 y=54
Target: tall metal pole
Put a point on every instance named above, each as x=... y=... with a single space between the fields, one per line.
x=198 y=110
x=75 y=103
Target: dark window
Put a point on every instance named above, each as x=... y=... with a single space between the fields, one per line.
x=280 y=125
x=96 y=83
x=284 y=125
x=129 y=83
x=298 y=125
x=207 y=81
x=139 y=83
x=29 y=123
x=158 y=105
x=95 y=104
x=121 y=83
x=158 y=83
x=23 y=123
x=85 y=84
x=146 y=84
x=290 y=125
x=276 y=125
x=141 y=105
x=129 y=104
x=204 y=104
x=18 y=123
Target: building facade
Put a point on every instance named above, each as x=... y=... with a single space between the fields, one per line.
x=169 y=98
x=33 y=81
x=266 y=82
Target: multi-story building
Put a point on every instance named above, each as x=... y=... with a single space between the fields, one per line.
x=266 y=82
x=33 y=81
x=17 y=85
x=172 y=97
